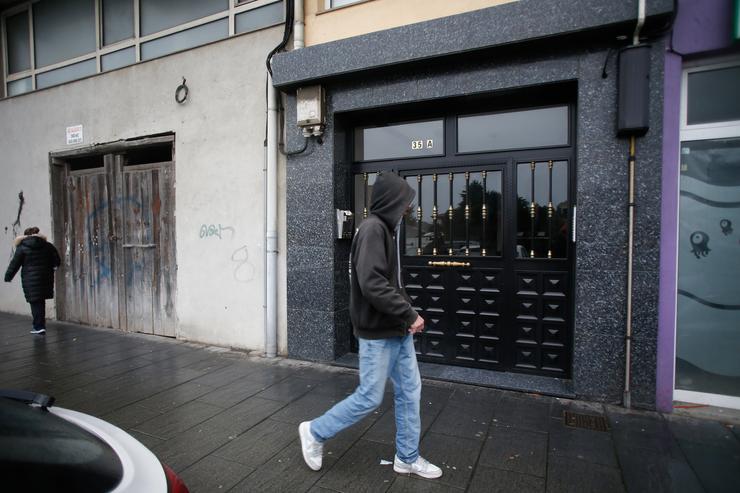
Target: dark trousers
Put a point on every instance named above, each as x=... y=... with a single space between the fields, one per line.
x=38 y=311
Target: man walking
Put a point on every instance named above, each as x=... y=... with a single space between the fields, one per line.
x=385 y=324
x=38 y=258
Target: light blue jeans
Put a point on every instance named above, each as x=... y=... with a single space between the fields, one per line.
x=394 y=357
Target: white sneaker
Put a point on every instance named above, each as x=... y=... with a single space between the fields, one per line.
x=421 y=467
x=313 y=449
x=38 y=331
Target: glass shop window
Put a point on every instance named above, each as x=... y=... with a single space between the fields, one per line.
x=528 y=129
x=708 y=304
x=19 y=42
x=399 y=141
x=713 y=96
x=63 y=29
x=158 y=15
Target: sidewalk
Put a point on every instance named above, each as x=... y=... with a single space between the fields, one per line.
x=227 y=421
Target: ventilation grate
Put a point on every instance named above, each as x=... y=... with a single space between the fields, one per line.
x=586 y=421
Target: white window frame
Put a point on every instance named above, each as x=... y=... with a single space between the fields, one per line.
x=234 y=7
x=704 y=131
x=330 y=4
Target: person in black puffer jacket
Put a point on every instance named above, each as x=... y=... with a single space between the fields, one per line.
x=39 y=259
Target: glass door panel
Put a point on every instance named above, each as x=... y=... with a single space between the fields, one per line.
x=542 y=210
x=708 y=302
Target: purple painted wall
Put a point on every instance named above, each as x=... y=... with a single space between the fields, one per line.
x=701 y=27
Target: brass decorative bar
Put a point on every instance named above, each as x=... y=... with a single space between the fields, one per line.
x=434 y=215
x=364 y=208
x=447 y=263
x=484 y=214
x=419 y=217
x=451 y=214
x=467 y=213
x=549 y=209
x=532 y=208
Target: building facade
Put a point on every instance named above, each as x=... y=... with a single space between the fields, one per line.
x=133 y=135
x=503 y=118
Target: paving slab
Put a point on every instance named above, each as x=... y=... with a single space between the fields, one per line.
x=516 y=450
x=491 y=480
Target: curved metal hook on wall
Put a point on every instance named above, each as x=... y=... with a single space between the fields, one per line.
x=181 y=93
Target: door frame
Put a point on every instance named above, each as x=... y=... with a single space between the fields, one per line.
x=449 y=110
x=111 y=155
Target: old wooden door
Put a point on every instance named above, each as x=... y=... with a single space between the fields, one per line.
x=90 y=272
x=148 y=248
x=117 y=221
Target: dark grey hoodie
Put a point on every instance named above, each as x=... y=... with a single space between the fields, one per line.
x=379 y=307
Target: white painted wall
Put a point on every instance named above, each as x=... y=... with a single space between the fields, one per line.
x=219 y=169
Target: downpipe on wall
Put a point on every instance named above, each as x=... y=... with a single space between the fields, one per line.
x=293 y=24
x=271 y=237
x=627 y=394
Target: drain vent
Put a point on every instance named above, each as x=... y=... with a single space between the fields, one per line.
x=586 y=421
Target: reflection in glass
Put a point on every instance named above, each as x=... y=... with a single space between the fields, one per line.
x=543 y=127
x=118 y=59
x=66 y=74
x=412 y=221
x=183 y=40
x=258 y=18
x=426 y=199
x=158 y=15
x=63 y=30
x=363 y=195
x=542 y=210
x=463 y=226
x=712 y=96
x=708 y=303
x=19 y=86
x=400 y=141
x=18 y=42
x=118 y=20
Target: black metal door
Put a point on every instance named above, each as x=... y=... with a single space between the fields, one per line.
x=487 y=263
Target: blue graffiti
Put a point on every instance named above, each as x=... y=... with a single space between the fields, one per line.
x=93 y=245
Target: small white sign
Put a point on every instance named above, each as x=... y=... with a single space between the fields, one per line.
x=74 y=135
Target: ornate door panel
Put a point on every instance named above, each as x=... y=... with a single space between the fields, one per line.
x=487 y=264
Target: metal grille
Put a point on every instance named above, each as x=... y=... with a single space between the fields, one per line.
x=586 y=421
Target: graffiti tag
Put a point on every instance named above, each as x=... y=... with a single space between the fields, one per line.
x=212 y=230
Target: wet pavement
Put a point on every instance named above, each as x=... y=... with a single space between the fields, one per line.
x=227 y=421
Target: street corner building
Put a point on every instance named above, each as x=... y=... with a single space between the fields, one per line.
x=202 y=167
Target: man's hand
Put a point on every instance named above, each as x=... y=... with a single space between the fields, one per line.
x=417 y=326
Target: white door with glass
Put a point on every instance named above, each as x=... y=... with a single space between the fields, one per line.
x=708 y=301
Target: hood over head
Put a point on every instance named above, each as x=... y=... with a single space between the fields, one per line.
x=391 y=196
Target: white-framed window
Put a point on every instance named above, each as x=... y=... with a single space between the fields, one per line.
x=707 y=365
x=333 y=4
x=52 y=42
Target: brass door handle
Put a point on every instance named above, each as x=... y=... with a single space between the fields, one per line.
x=448 y=263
